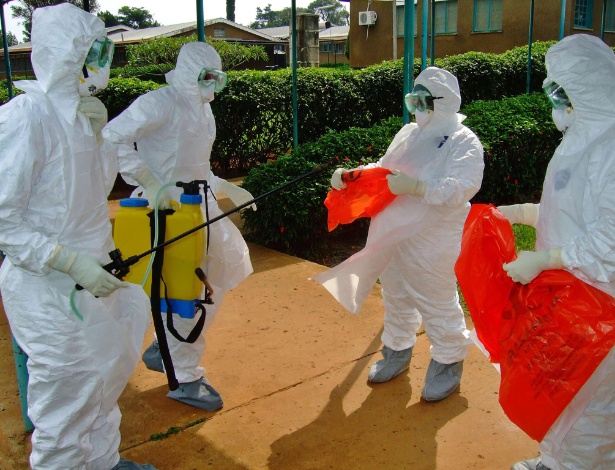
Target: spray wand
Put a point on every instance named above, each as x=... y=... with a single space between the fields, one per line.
x=120 y=267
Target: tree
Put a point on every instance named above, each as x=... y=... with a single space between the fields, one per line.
x=336 y=15
x=268 y=18
x=109 y=18
x=11 y=40
x=25 y=8
x=135 y=17
x=230 y=10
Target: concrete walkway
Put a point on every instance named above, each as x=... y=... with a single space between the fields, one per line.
x=291 y=365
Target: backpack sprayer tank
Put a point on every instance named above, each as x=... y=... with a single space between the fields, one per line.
x=132 y=234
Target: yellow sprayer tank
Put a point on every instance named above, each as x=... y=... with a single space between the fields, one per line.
x=132 y=236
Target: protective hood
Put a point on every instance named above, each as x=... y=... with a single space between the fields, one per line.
x=442 y=83
x=193 y=57
x=584 y=66
x=61 y=39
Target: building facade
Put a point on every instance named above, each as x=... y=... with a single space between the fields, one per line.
x=460 y=26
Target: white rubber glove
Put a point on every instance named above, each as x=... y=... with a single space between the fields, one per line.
x=95 y=111
x=401 y=183
x=85 y=270
x=336 y=179
x=236 y=193
x=526 y=214
x=530 y=264
x=152 y=186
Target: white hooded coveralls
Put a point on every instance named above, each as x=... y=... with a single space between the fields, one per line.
x=577 y=214
x=54 y=191
x=414 y=242
x=174 y=129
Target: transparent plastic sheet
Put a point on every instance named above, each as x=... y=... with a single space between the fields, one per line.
x=548 y=336
x=366 y=193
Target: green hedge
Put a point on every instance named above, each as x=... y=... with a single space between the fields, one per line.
x=254 y=112
x=121 y=92
x=517 y=133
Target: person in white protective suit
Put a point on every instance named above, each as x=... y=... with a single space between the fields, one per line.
x=56 y=233
x=412 y=245
x=575 y=231
x=174 y=129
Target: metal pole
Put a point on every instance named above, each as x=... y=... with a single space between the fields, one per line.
x=394 y=29
x=293 y=23
x=5 y=44
x=86 y=5
x=424 y=32
x=21 y=368
x=562 y=19
x=433 y=31
x=200 y=20
x=19 y=356
x=408 y=53
x=529 y=48
x=603 y=23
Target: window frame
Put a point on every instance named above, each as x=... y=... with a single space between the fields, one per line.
x=489 y=29
x=609 y=26
x=445 y=19
x=589 y=15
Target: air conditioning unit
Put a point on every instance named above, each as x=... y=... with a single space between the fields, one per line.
x=367 y=18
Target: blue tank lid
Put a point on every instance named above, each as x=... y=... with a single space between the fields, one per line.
x=133 y=202
x=190 y=198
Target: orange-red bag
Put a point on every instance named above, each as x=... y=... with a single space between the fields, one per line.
x=548 y=336
x=366 y=193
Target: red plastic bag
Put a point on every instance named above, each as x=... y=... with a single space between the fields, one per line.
x=488 y=242
x=548 y=336
x=366 y=193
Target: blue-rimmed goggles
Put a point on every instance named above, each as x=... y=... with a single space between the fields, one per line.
x=100 y=53
x=420 y=99
x=212 y=77
x=557 y=96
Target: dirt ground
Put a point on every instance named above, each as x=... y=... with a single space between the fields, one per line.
x=291 y=365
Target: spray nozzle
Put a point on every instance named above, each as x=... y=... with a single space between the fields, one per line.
x=193 y=187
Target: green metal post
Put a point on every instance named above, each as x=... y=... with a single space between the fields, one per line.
x=603 y=23
x=21 y=368
x=5 y=45
x=20 y=357
x=200 y=20
x=424 y=33
x=433 y=31
x=408 y=53
x=529 y=48
x=562 y=19
x=293 y=59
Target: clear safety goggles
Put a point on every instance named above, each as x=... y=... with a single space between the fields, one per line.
x=215 y=77
x=100 y=53
x=557 y=96
x=420 y=99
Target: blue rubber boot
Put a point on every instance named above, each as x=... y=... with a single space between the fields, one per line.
x=393 y=364
x=441 y=380
x=152 y=358
x=128 y=465
x=534 y=464
x=199 y=394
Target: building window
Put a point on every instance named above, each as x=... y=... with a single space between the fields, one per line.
x=219 y=32
x=445 y=18
x=583 y=13
x=400 y=20
x=609 y=21
x=338 y=48
x=326 y=47
x=487 y=15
